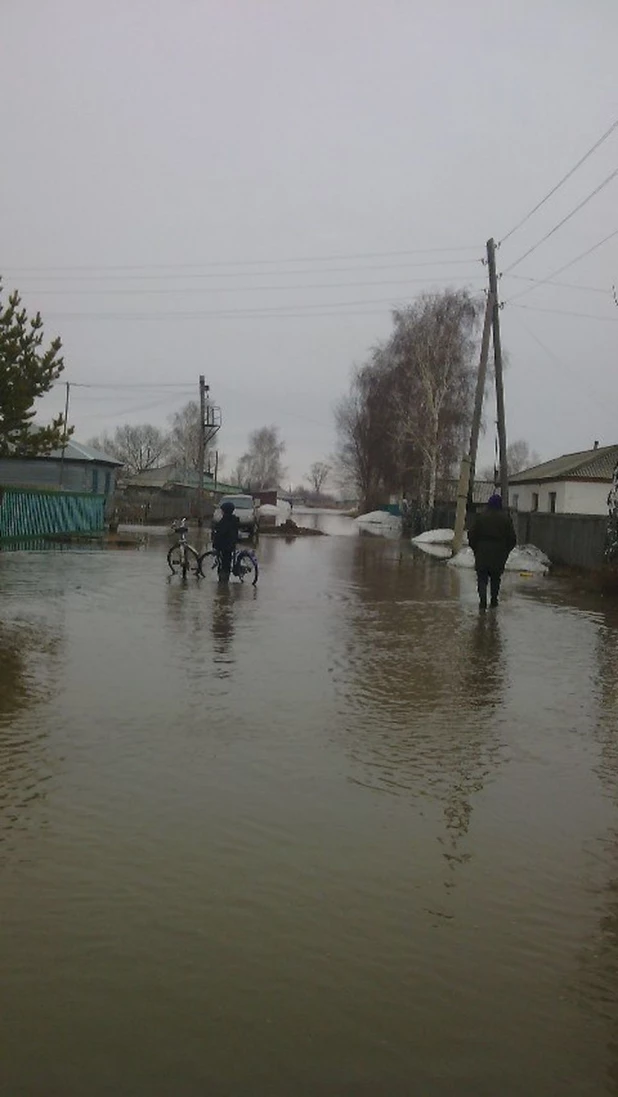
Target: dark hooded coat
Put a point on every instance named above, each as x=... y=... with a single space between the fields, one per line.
x=491 y=538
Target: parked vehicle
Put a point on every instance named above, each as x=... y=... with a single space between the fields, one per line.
x=246 y=511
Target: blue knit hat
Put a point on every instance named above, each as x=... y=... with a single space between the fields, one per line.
x=495 y=502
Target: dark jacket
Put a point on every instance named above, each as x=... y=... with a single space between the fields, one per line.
x=491 y=537
x=226 y=533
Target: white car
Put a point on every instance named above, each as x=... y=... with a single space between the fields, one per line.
x=245 y=510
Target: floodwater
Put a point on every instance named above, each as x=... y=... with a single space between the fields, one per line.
x=338 y=835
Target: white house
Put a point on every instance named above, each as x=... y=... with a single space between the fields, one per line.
x=576 y=483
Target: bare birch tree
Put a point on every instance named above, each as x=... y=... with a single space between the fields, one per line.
x=403 y=425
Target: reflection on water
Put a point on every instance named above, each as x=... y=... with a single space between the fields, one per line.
x=417 y=674
x=337 y=834
x=28 y=657
x=223 y=625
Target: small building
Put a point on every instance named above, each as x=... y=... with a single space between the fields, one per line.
x=576 y=483
x=78 y=469
x=163 y=494
x=173 y=480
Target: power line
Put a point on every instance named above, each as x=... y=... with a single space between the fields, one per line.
x=250 y=262
x=265 y=311
x=232 y=289
x=576 y=380
x=568 y=175
x=184 y=387
x=565 y=266
x=135 y=409
x=551 y=282
x=242 y=273
x=563 y=312
x=137 y=316
x=564 y=220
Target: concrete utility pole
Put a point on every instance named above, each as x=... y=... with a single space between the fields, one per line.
x=493 y=290
x=202 y=451
x=468 y=463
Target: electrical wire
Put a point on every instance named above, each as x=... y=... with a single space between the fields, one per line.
x=265 y=311
x=241 y=273
x=184 y=386
x=564 y=220
x=551 y=282
x=249 y=262
x=563 y=312
x=565 y=266
x=136 y=409
x=564 y=179
x=136 y=316
x=231 y=289
x=576 y=380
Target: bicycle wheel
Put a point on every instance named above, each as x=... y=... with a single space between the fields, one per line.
x=174 y=557
x=246 y=567
x=210 y=558
x=193 y=560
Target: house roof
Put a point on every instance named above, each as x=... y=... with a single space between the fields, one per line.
x=168 y=476
x=76 y=451
x=587 y=464
x=482 y=490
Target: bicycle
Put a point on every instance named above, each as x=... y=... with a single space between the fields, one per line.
x=181 y=553
x=244 y=563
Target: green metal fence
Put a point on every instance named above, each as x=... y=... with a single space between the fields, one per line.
x=28 y=514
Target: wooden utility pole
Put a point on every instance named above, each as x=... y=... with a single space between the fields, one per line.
x=202 y=451
x=493 y=290
x=65 y=431
x=468 y=463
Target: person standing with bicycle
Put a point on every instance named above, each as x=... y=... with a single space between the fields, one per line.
x=225 y=537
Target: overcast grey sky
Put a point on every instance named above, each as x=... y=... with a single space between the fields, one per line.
x=168 y=166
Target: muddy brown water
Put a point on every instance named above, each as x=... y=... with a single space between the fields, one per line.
x=334 y=836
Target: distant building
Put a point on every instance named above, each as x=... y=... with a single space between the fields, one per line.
x=173 y=480
x=446 y=492
x=576 y=483
x=79 y=469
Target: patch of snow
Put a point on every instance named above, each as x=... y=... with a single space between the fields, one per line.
x=379 y=518
x=527 y=558
x=380 y=523
x=270 y=510
x=434 y=537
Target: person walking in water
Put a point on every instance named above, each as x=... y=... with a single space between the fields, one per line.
x=491 y=538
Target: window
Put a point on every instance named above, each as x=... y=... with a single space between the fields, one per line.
x=95 y=480
x=535 y=500
x=552 y=502
x=516 y=501
x=108 y=481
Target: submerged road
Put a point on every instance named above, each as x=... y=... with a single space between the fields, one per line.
x=338 y=835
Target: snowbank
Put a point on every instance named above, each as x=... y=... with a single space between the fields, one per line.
x=379 y=518
x=380 y=523
x=524 y=558
x=434 y=537
x=270 y=510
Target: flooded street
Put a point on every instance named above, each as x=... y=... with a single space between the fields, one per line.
x=335 y=835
